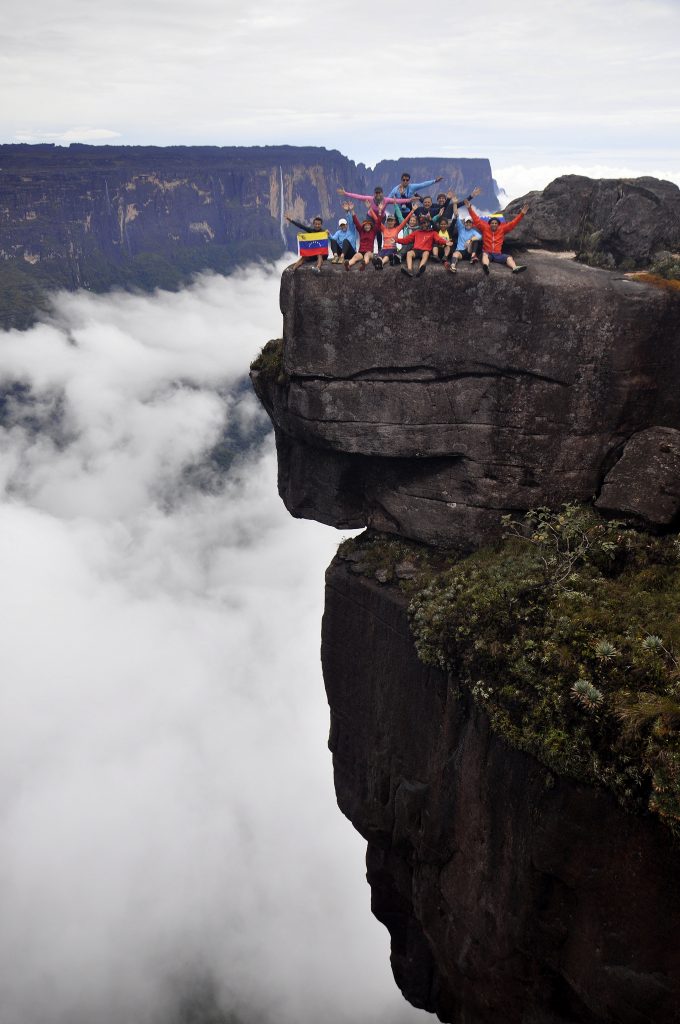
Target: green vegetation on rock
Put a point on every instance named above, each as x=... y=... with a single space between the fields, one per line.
x=567 y=633
x=269 y=362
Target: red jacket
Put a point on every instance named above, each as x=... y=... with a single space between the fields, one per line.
x=425 y=239
x=492 y=241
x=366 y=238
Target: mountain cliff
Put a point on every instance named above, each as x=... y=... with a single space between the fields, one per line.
x=504 y=725
x=132 y=216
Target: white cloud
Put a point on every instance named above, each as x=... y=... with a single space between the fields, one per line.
x=518 y=179
x=69 y=135
x=166 y=803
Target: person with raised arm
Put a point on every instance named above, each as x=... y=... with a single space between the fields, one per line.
x=406 y=189
x=320 y=244
x=468 y=244
x=376 y=203
x=493 y=232
x=344 y=240
x=366 y=232
x=424 y=237
x=447 y=205
x=387 y=253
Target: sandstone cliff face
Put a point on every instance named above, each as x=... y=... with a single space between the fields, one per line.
x=98 y=216
x=431 y=407
x=510 y=894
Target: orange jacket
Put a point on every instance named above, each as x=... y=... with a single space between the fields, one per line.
x=492 y=241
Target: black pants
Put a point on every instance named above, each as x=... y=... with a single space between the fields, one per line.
x=346 y=249
x=474 y=250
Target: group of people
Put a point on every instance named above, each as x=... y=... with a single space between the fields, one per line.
x=405 y=226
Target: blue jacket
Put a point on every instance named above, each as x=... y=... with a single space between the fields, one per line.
x=350 y=232
x=411 y=188
x=465 y=234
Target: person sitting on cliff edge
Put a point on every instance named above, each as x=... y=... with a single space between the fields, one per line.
x=493 y=232
x=366 y=231
x=344 y=241
x=424 y=238
x=317 y=258
x=376 y=204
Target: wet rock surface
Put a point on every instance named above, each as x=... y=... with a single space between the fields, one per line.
x=510 y=894
x=431 y=407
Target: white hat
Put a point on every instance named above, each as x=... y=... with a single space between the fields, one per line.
x=341 y=221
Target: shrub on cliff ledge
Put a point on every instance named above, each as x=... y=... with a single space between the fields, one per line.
x=566 y=634
x=270 y=362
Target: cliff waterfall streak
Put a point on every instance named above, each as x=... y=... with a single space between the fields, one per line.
x=282 y=218
x=523 y=877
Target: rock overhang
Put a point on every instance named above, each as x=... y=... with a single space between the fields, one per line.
x=453 y=399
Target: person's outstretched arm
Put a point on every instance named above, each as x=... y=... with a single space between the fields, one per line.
x=476 y=220
x=303 y=227
x=415 y=185
x=400 y=202
x=352 y=195
x=515 y=220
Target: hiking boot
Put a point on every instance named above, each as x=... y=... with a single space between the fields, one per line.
x=454 y=267
x=447 y=264
x=362 y=265
x=474 y=258
x=421 y=270
x=405 y=270
x=346 y=264
x=518 y=270
x=377 y=263
x=485 y=268
x=316 y=270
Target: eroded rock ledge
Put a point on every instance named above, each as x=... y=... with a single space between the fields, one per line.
x=431 y=407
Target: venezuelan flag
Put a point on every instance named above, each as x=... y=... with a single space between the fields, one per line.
x=313 y=243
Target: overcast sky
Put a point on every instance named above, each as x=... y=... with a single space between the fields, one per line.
x=546 y=85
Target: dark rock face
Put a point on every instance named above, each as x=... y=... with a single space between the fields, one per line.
x=645 y=482
x=427 y=408
x=509 y=895
x=611 y=221
x=103 y=216
x=431 y=407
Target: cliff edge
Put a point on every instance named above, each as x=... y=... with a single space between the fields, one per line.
x=427 y=409
x=431 y=407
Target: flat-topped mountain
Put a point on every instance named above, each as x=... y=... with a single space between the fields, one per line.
x=143 y=216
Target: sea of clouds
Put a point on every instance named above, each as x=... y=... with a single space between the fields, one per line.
x=167 y=815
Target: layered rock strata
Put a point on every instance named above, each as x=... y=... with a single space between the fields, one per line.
x=431 y=407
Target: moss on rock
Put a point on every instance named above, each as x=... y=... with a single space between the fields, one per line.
x=566 y=633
